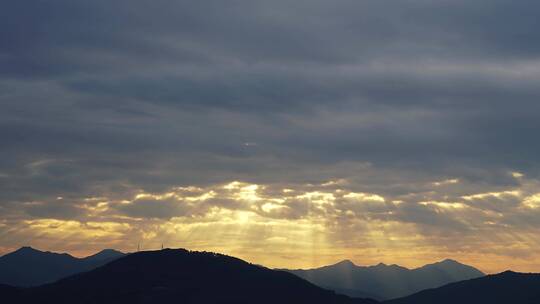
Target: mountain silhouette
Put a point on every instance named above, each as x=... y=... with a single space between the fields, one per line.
x=8 y=292
x=181 y=276
x=104 y=255
x=383 y=281
x=504 y=288
x=30 y=267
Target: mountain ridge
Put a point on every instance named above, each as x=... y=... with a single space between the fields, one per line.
x=185 y=277
x=384 y=281
x=207 y=278
x=502 y=288
x=28 y=266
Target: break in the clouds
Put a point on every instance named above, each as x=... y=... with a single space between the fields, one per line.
x=368 y=126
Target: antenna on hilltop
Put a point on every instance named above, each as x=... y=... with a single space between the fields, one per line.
x=161 y=246
x=138 y=247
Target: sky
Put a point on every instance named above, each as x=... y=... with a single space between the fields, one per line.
x=288 y=133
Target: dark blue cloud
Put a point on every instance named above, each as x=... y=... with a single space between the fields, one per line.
x=124 y=95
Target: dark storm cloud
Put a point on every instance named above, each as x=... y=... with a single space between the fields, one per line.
x=151 y=208
x=54 y=210
x=110 y=97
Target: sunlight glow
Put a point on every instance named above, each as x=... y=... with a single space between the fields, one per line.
x=274 y=225
x=446 y=182
x=532 y=201
x=365 y=197
x=515 y=193
x=445 y=205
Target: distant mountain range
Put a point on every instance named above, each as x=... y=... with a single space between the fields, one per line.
x=383 y=281
x=503 y=288
x=30 y=267
x=180 y=276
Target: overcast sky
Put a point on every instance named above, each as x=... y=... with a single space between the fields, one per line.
x=288 y=133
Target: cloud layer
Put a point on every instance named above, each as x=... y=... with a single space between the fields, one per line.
x=424 y=115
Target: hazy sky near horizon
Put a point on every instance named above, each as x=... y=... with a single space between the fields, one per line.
x=288 y=133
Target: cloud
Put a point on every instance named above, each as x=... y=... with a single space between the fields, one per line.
x=330 y=216
x=394 y=104
x=148 y=208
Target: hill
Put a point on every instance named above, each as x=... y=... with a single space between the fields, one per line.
x=383 y=281
x=9 y=294
x=181 y=276
x=503 y=288
x=30 y=267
